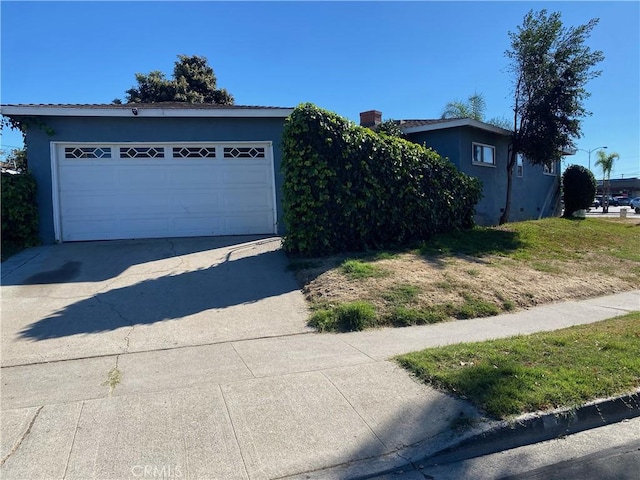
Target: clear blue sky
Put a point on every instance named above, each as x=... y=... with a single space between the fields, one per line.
x=405 y=59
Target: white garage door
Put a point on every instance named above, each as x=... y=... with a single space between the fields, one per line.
x=119 y=191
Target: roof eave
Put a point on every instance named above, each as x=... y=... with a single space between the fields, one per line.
x=146 y=111
x=462 y=122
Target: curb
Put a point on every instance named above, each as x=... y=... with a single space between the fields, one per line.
x=524 y=431
x=539 y=428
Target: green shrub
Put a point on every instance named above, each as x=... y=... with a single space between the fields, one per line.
x=348 y=188
x=19 y=210
x=579 y=189
x=390 y=127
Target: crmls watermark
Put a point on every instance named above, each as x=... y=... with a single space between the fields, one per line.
x=155 y=471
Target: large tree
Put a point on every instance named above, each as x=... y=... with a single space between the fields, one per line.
x=551 y=65
x=193 y=81
x=605 y=162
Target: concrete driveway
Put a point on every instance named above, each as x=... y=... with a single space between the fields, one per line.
x=91 y=299
x=190 y=358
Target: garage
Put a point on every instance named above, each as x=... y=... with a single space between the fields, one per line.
x=167 y=169
x=153 y=190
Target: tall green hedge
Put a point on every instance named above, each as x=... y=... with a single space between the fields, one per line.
x=19 y=210
x=578 y=189
x=348 y=188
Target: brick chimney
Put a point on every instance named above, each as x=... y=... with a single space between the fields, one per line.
x=370 y=118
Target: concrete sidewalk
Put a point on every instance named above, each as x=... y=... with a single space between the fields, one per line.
x=301 y=405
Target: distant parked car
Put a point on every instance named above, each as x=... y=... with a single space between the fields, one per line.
x=612 y=201
x=635 y=204
x=597 y=202
x=623 y=201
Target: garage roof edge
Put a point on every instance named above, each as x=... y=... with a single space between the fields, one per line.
x=415 y=126
x=143 y=110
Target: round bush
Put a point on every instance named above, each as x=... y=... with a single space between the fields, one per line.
x=579 y=189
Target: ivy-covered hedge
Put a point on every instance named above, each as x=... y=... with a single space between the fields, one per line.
x=19 y=210
x=348 y=188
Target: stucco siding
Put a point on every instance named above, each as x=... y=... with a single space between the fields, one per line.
x=529 y=192
x=446 y=142
x=139 y=129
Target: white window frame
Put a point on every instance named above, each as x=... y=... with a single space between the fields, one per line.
x=519 y=165
x=549 y=170
x=482 y=162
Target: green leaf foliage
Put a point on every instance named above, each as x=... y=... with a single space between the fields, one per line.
x=346 y=188
x=473 y=108
x=579 y=188
x=19 y=210
x=194 y=81
x=390 y=127
x=552 y=66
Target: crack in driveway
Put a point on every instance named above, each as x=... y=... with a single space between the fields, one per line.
x=123 y=318
x=22 y=437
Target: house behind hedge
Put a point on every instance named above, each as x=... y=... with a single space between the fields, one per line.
x=174 y=169
x=481 y=151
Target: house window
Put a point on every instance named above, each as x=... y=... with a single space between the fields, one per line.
x=484 y=154
x=519 y=166
x=549 y=169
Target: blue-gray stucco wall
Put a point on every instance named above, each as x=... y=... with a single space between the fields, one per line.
x=141 y=129
x=529 y=192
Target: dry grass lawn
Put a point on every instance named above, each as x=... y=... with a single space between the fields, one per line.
x=481 y=272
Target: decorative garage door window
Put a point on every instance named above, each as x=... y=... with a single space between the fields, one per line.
x=87 y=152
x=243 y=152
x=141 y=152
x=165 y=152
x=194 y=152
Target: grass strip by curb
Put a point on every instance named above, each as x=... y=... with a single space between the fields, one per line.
x=541 y=371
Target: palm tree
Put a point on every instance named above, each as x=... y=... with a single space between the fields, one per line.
x=606 y=163
x=473 y=108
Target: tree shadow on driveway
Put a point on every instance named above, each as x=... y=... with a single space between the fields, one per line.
x=81 y=262
x=230 y=283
